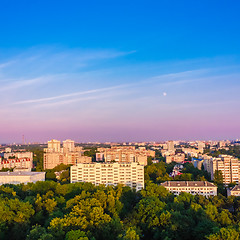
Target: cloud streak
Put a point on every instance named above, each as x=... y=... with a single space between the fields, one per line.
x=49 y=99
x=73 y=97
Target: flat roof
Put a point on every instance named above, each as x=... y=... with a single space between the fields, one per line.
x=19 y=173
x=187 y=184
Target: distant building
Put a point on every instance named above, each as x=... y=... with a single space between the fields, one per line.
x=124 y=154
x=170 y=146
x=228 y=165
x=191 y=152
x=68 y=154
x=21 y=177
x=68 y=145
x=201 y=146
x=155 y=161
x=177 y=170
x=129 y=174
x=221 y=144
x=8 y=150
x=100 y=157
x=179 y=158
x=54 y=146
x=203 y=188
x=206 y=162
x=18 y=155
x=235 y=191
x=17 y=163
x=197 y=163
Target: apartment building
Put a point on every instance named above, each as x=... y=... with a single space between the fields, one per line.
x=203 y=188
x=197 y=163
x=179 y=158
x=124 y=154
x=17 y=163
x=191 y=152
x=201 y=146
x=228 y=165
x=170 y=146
x=54 y=154
x=206 y=162
x=129 y=174
x=18 y=155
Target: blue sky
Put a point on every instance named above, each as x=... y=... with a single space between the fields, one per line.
x=125 y=71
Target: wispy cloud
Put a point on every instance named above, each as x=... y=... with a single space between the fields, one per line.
x=21 y=83
x=6 y=64
x=183 y=74
x=92 y=91
x=74 y=96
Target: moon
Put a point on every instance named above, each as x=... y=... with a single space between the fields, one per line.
x=164 y=94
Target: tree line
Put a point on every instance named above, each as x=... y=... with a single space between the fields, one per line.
x=51 y=210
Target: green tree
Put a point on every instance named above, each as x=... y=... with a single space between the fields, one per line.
x=130 y=234
x=226 y=234
x=39 y=233
x=218 y=177
x=76 y=235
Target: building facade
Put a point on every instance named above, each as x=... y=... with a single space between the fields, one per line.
x=54 y=154
x=129 y=174
x=170 y=146
x=21 y=177
x=228 y=165
x=124 y=154
x=203 y=188
x=178 y=158
x=17 y=163
x=18 y=155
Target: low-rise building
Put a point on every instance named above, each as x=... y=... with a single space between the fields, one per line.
x=129 y=174
x=235 y=191
x=177 y=170
x=11 y=155
x=21 y=177
x=203 y=188
x=17 y=163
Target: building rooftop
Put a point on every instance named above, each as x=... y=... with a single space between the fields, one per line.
x=187 y=184
x=236 y=188
x=19 y=173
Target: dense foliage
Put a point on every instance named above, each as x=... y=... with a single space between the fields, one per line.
x=53 y=210
x=49 y=210
x=159 y=172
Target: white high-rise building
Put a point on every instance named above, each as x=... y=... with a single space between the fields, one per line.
x=129 y=174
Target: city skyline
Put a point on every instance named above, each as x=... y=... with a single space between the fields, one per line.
x=122 y=72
